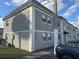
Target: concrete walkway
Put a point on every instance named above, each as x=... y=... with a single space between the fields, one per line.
x=39 y=57
x=42 y=54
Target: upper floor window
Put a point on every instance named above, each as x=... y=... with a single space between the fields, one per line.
x=7 y=23
x=44 y=18
x=68 y=27
x=48 y=20
x=64 y=27
x=73 y=29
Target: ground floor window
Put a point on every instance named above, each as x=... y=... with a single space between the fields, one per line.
x=13 y=37
x=58 y=36
x=6 y=36
x=49 y=36
x=46 y=36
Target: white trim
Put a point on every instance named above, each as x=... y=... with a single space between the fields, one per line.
x=44 y=31
x=32 y=31
x=32 y=28
x=49 y=24
x=19 y=31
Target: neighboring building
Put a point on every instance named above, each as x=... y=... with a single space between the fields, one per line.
x=77 y=23
x=68 y=32
x=63 y=29
x=30 y=27
x=77 y=32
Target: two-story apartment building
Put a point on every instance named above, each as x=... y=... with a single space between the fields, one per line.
x=68 y=32
x=62 y=29
x=77 y=32
x=30 y=26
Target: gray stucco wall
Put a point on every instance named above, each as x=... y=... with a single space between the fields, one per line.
x=19 y=22
x=41 y=26
x=17 y=25
x=40 y=43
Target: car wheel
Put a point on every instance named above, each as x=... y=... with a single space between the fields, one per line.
x=66 y=56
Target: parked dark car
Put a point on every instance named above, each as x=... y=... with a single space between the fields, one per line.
x=68 y=51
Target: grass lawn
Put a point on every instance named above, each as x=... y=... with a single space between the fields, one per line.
x=10 y=53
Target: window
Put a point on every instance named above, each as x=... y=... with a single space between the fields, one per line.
x=7 y=23
x=13 y=37
x=73 y=30
x=58 y=36
x=48 y=20
x=49 y=36
x=6 y=36
x=44 y=35
x=44 y=18
x=58 y=23
x=65 y=27
x=69 y=28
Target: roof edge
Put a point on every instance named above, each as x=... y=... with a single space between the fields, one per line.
x=18 y=9
x=24 y=6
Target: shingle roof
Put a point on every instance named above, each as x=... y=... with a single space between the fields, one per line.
x=24 y=6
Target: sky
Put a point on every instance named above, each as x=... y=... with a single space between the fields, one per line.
x=69 y=9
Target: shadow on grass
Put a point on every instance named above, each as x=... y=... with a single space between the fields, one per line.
x=12 y=53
